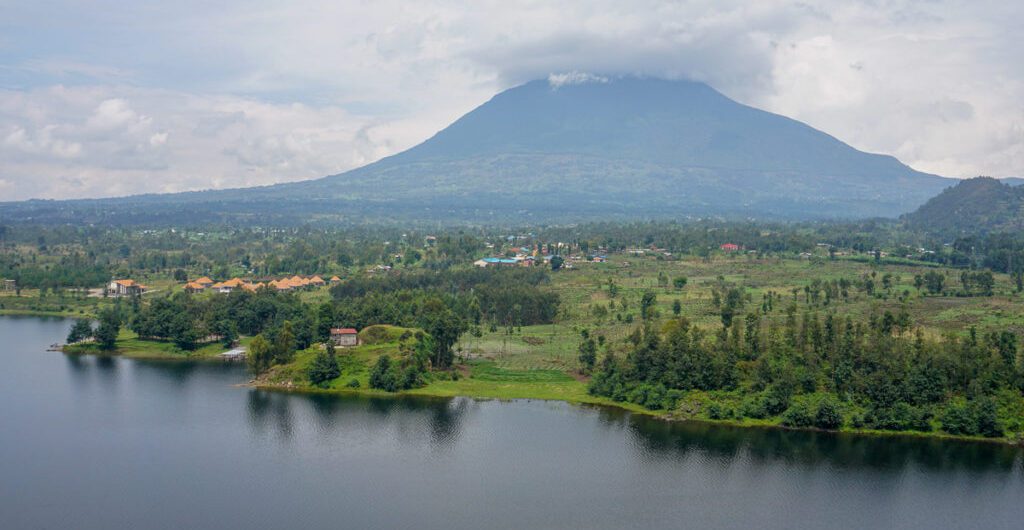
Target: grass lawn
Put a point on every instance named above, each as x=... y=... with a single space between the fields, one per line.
x=130 y=345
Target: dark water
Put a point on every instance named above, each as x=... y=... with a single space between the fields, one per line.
x=112 y=443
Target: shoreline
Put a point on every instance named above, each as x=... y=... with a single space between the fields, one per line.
x=589 y=401
x=509 y=392
x=633 y=409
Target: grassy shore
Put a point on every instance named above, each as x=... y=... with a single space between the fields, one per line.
x=131 y=346
x=485 y=379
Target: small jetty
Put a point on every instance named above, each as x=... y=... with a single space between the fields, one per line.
x=233 y=355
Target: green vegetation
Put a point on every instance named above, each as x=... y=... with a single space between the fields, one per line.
x=831 y=326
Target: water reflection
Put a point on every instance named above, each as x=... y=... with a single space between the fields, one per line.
x=84 y=371
x=439 y=421
x=270 y=411
x=814 y=449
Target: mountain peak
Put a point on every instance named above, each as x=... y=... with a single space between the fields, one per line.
x=585 y=146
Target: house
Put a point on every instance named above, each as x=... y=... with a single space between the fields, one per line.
x=335 y=279
x=194 y=287
x=205 y=281
x=125 y=288
x=281 y=285
x=729 y=247
x=317 y=281
x=344 y=337
x=228 y=286
x=10 y=285
x=252 y=287
x=496 y=262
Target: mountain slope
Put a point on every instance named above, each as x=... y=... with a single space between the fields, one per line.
x=625 y=148
x=981 y=204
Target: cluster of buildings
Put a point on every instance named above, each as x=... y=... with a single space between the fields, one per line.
x=283 y=284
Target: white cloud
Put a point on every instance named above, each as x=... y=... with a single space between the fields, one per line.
x=192 y=95
x=574 y=78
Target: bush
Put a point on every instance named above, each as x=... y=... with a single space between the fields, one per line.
x=80 y=331
x=776 y=399
x=957 y=419
x=972 y=418
x=753 y=407
x=324 y=369
x=798 y=415
x=828 y=416
x=718 y=411
x=381 y=376
x=900 y=416
x=353 y=383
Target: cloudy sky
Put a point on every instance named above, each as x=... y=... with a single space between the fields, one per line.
x=113 y=98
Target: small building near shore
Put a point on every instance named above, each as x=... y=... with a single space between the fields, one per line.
x=344 y=337
x=125 y=288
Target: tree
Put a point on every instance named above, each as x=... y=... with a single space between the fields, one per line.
x=184 y=332
x=828 y=416
x=556 y=262
x=260 y=354
x=445 y=327
x=324 y=367
x=588 y=354
x=679 y=282
x=647 y=302
x=81 y=330
x=381 y=376
x=106 y=332
x=934 y=282
x=677 y=307
x=227 y=330
x=284 y=344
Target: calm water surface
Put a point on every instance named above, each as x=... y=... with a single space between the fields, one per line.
x=106 y=443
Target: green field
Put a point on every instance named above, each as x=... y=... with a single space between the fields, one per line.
x=541 y=361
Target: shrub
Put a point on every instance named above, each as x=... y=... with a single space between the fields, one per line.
x=798 y=415
x=828 y=415
x=381 y=376
x=324 y=369
x=957 y=419
x=900 y=416
x=972 y=418
x=719 y=411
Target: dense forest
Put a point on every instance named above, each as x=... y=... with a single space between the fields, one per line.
x=817 y=369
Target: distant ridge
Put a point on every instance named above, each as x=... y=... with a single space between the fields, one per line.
x=977 y=205
x=608 y=149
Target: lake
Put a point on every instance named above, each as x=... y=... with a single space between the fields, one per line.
x=89 y=442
